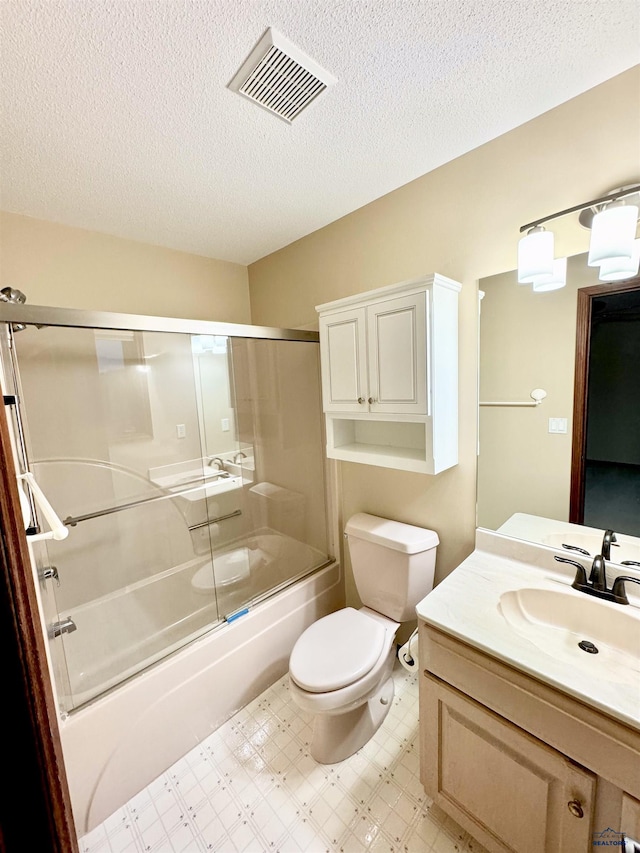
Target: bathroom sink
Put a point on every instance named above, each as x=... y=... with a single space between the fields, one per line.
x=196 y=477
x=198 y=483
x=557 y=621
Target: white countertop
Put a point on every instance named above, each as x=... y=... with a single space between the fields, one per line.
x=466 y=605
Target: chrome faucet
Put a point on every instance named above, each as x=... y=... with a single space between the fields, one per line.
x=597 y=583
x=215 y=460
x=608 y=540
x=237 y=459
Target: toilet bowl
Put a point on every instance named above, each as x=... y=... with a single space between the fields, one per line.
x=340 y=669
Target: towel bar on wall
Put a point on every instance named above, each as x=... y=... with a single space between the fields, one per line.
x=537 y=396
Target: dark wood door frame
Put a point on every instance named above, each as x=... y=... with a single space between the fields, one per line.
x=35 y=808
x=586 y=295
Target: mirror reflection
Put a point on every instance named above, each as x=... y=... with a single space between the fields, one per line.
x=533 y=483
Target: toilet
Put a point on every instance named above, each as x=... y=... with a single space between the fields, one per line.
x=340 y=667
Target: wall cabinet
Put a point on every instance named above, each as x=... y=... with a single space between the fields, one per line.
x=389 y=361
x=520 y=766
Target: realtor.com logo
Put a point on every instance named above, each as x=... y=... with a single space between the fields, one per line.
x=608 y=838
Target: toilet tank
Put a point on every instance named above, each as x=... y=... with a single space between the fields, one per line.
x=393 y=563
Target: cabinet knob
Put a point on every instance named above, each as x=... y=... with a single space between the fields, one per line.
x=361 y=400
x=371 y=400
x=575 y=807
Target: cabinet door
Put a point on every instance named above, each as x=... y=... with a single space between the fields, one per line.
x=343 y=354
x=397 y=348
x=508 y=789
x=630 y=818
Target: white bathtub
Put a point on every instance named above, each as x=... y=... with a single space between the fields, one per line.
x=125 y=631
x=117 y=744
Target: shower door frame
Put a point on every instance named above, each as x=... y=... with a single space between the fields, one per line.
x=31 y=706
x=28 y=678
x=42 y=315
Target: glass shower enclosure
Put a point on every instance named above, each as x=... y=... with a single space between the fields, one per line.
x=185 y=460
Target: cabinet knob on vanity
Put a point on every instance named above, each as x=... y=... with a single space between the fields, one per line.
x=575 y=807
x=361 y=400
x=370 y=400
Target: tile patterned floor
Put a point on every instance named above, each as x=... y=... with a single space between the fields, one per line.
x=251 y=787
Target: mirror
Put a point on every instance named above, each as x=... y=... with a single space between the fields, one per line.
x=527 y=342
x=214 y=392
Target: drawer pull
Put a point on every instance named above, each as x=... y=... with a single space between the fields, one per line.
x=575 y=808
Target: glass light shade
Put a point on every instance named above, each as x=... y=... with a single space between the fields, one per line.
x=620 y=268
x=612 y=233
x=535 y=255
x=556 y=280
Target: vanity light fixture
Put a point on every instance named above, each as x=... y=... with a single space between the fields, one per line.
x=535 y=255
x=612 y=233
x=612 y=219
x=555 y=281
x=618 y=269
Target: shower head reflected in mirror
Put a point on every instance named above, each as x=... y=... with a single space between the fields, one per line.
x=10 y=294
x=16 y=297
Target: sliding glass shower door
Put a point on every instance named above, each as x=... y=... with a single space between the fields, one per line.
x=189 y=472
x=114 y=434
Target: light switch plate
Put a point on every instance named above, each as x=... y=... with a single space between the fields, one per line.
x=557 y=425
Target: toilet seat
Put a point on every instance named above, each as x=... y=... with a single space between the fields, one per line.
x=337 y=651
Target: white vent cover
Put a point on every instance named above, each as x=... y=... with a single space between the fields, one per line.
x=280 y=77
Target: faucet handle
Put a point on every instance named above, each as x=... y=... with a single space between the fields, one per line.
x=580 y=579
x=576 y=548
x=618 y=588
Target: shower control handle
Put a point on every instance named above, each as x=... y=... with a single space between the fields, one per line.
x=48 y=572
x=64 y=626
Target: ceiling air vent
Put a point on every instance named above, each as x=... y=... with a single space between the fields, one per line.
x=280 y=77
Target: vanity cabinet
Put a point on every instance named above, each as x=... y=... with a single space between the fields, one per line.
x=517 y=764
x=389 y=363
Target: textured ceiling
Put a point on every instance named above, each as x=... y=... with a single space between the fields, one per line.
x=116 y=116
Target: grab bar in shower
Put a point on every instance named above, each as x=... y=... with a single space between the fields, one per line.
x=58 y=529
x=72 y=520
x=215 y=520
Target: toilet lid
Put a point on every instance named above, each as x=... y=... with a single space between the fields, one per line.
x=336 y=651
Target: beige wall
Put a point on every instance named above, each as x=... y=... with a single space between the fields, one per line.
x=460 y=220
x=74 y=268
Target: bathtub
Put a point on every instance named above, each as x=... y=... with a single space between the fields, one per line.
x=125 y=631
x=117 y=743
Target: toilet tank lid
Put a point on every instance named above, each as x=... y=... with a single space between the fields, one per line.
x=392 y=534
